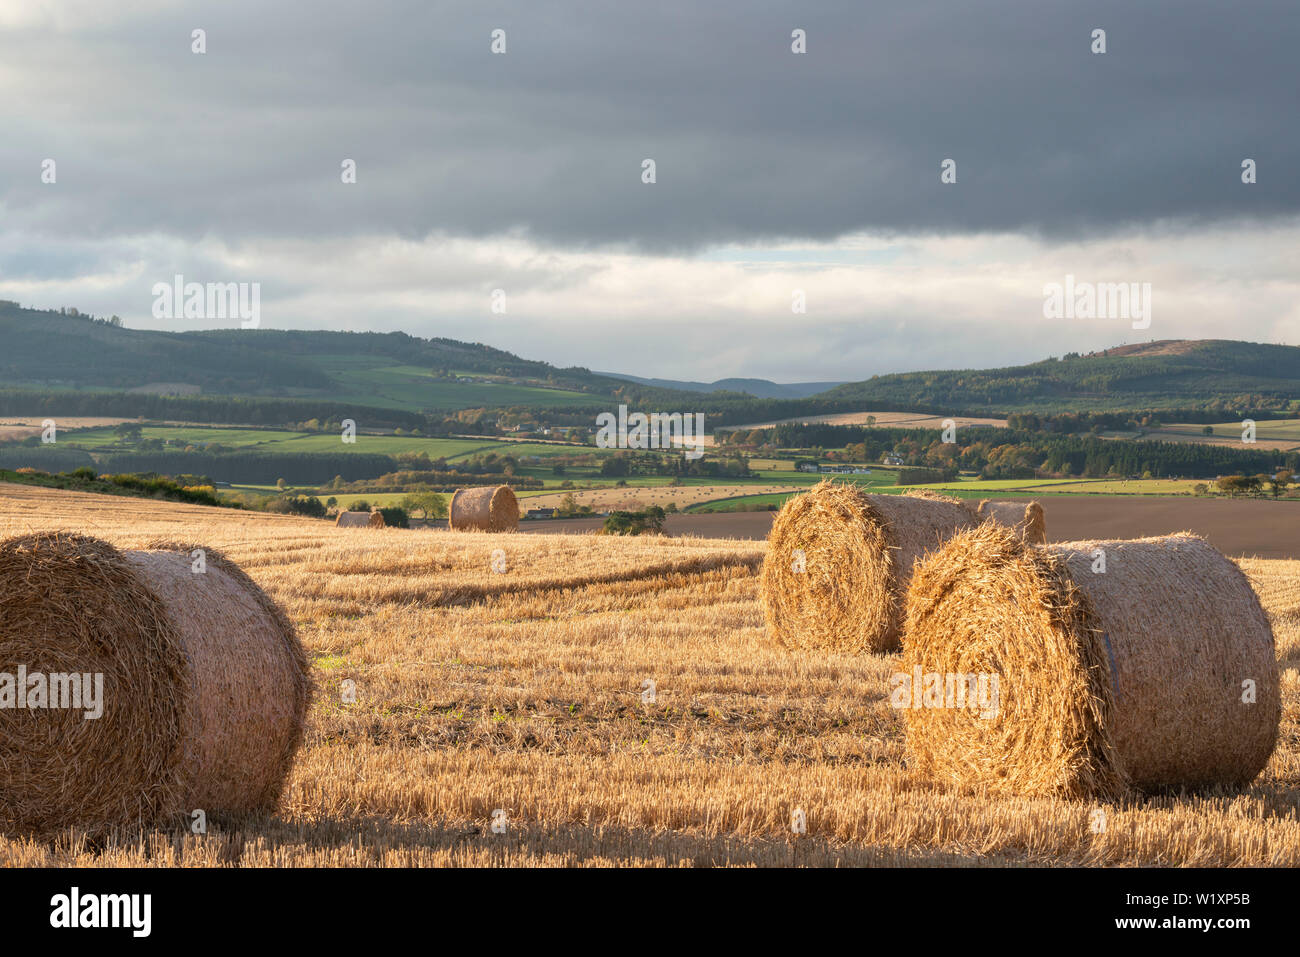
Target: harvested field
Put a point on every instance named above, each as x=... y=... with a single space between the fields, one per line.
x=10 y=432
x=472 y=698
x=636 y=499
x=63 y=421
x=1279 y=435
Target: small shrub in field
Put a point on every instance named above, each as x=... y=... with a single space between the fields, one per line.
x=308 y=505
x=396 y=517
x=635 y=523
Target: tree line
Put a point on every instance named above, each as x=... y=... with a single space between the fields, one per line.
x=1016 y=453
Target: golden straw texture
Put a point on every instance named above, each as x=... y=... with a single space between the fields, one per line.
x=484 y=509
x=205 y=685
x=1158 y=672
x=360 y=520
x=838 y=562
x=1028 y=519
x=248 y=671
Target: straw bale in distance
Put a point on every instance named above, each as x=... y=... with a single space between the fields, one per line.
x=1128 y=678
x=360 y=520
x=485 y=509
x=205 y=686
x=844 y=591
x=1028 y=519
x=933 y=496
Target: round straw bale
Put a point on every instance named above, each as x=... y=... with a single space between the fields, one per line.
x=360 y=520
x=1158 y=672
x=204 y=687
x=1027 y=519
x=933 y=496
x=838 y=561
x=249 y=673
x=485 y=509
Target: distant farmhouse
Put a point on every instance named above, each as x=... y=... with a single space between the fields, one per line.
x=540 y=513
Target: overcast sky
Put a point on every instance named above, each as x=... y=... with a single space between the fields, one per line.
x=776 y=171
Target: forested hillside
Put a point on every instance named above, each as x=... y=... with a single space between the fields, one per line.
x=1206 y=374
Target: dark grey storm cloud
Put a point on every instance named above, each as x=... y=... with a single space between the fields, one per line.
x=751 y=141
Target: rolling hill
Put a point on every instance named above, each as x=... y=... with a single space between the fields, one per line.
x=56 y=354
x=50 y=351
x=1204 y=373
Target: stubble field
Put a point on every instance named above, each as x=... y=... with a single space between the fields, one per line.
x=524 y=692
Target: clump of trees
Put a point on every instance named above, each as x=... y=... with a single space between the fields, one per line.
x=926 y=476
x=569 y=508
x=649 y=521
x=622 y=464
x=1010 y=454
x=308 y=505
x=1255 y=484
x=425 y=500
x=395 y=516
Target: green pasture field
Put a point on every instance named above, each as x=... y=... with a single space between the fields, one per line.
x=379 y=499
x=735 y=504
x=523 y=449
x=879 y=478
x=283 y=441
x=98 y=438
x=1127 y=487
x=345 y=499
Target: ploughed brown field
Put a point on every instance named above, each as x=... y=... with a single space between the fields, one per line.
x=1254 y=527
x=522 y=691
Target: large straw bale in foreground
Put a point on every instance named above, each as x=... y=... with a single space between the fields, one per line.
x=485 y=509
x=204 y=694
x=838 y=562
x=1026 y=518
x=1131 y=677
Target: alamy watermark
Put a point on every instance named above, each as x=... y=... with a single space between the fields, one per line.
x=1102 y=300
x=38 y=691
x=658 y=430
x=129 y=911
x=933 y=689
x=214 y=300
